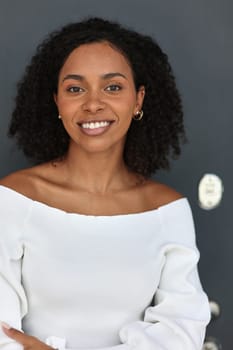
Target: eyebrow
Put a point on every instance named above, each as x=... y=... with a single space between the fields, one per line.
x=104 y=76
x=112 y=75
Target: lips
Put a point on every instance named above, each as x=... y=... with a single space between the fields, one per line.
x=95 y=127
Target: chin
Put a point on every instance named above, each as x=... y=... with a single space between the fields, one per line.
x=102 y=147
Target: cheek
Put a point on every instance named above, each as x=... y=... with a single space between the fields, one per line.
x=66 y=105
x=128 y=109
x=128 y=103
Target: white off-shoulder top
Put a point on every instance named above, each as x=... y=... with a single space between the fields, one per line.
x=121 y=282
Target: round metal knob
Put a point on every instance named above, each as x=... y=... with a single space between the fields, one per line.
x=214 y=309
x=212 y=343
x=210 y=191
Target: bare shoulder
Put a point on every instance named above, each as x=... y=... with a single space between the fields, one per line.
x=24 y=181
x=161 y=194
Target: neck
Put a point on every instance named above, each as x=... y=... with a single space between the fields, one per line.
x=102 y=172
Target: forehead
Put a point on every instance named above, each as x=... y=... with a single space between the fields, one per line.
x=92 y=57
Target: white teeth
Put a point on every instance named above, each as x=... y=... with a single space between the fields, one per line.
x=95 y=125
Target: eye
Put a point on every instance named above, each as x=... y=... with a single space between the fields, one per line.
x=113 y=87
x=75 y=89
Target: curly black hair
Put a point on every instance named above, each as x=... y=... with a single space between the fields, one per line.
x=150 y=142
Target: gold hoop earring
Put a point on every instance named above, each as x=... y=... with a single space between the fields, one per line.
x=138 y=115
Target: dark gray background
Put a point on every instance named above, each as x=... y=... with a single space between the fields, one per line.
x=197 y=36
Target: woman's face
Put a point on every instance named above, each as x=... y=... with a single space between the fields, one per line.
x=96 y=97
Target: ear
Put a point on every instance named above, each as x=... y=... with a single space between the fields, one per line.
x=139 y=99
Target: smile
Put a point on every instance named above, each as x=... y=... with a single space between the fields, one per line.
x=95 y=125
x=95 y=128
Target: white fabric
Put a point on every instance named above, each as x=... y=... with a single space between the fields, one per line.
x=87 y=282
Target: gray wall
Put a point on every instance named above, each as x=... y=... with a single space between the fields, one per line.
x=197 y=35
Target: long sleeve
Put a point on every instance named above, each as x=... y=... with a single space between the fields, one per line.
x=13 y=301
x=181 y=310
x=180 y=315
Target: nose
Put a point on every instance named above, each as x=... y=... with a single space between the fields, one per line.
x=93 y=102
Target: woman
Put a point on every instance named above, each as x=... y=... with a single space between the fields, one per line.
x=95 y=254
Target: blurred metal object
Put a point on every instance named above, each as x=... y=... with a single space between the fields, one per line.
x=212 y=343
x=210 y=191
x=215 y=309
